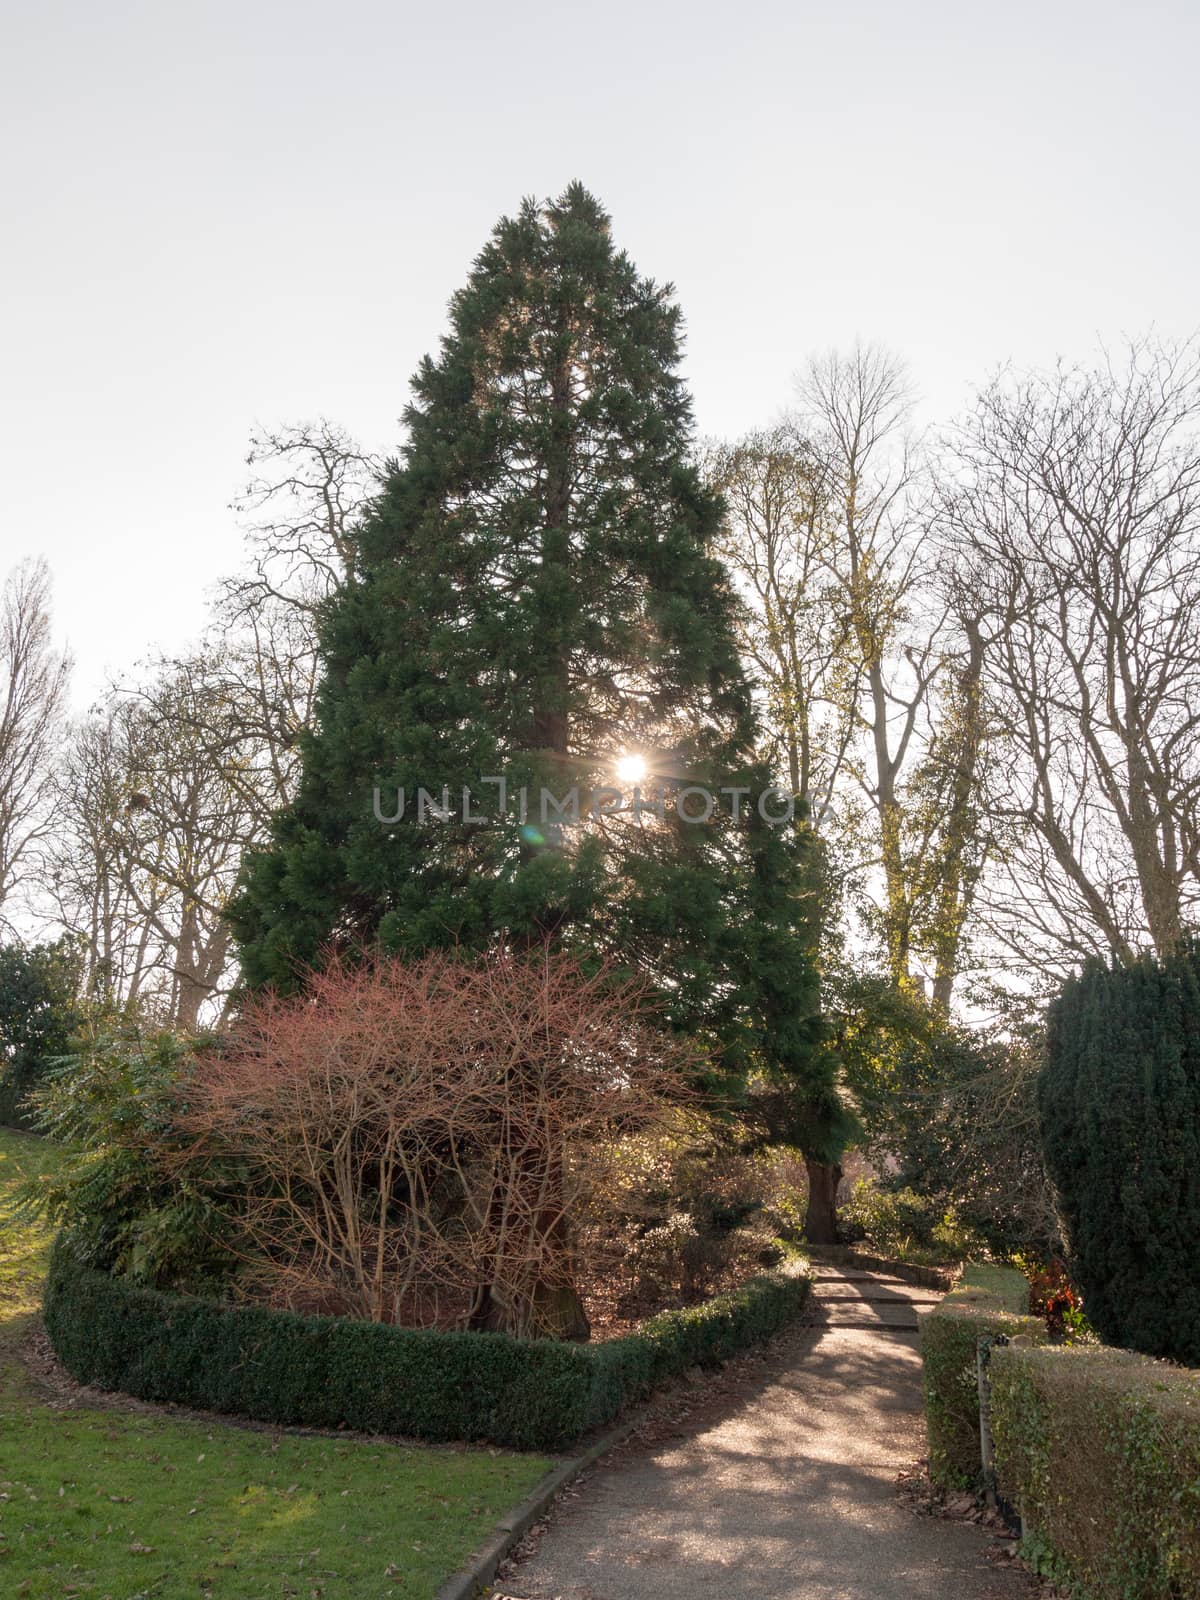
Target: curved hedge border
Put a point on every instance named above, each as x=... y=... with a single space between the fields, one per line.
x=1101 y=1448
x=988 y=1300
x=275 y=1366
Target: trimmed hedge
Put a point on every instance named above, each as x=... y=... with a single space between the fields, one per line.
x=275 y=1366
x=1101 y=1448
x=988 y=1300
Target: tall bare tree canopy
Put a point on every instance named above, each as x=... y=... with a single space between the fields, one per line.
x=33 y=689
x=301 y=512
x=174 y=773
x=161 y=790
x=1072 y=521
x=869 y=686
x=779 y=540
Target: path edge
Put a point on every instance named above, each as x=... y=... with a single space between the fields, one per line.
x=482 y=1568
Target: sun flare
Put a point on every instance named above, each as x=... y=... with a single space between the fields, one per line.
x=631 y=768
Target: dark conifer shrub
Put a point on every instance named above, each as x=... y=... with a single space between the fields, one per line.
x=1120 y=1110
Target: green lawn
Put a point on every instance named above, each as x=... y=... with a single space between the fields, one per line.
x=1010 y=1287
x=100 y=1504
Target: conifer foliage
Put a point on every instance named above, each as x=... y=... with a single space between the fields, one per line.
x=535 y=604
x=536 y=599
x=1120 y=1109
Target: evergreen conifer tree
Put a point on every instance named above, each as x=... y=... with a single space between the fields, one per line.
x=536 y=599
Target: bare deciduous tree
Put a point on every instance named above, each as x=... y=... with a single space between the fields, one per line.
x=92 y=885
x=870 y=689
x=301 y=512
x=163 y=787
x=856 y=409
x=302 y=509
x=779 y=543
x=948 y=837
x=159 y=795
x=1076 y=522
x=33 y=688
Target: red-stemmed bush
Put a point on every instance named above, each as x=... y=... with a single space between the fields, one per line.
x=417 y=1142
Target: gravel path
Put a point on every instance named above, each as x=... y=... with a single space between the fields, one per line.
x=783 y=1490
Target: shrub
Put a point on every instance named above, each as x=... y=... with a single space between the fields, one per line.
x=276 y=1366
x=38 y=1014
x=418 y=1140
x=1120 y=1107
x=1102 y=1449
x=903 y=1224
x=112 y=1104
x=988 y=1300
x=692 y=1210
x=955 y=1108
x=1054 y=1298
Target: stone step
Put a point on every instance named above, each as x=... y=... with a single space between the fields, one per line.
x=865 y=1324
x=879 y=1286
x=877 y=1299
x=844 y=1305
x=829 y=1276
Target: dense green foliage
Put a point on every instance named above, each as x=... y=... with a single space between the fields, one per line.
x=988 y=1300
x=950 y=1111
x=902 y=1225
x=1120 y=1105
x=112 y=1104
x=1101 y=1448
x=962 y=1122
x=332 y=1372
x=534 y=596
x=692 y=1211
x=38 y=1014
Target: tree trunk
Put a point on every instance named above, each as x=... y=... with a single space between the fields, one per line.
x=558 y=1311
x=552 y=1308
x=557 y=1308
x=820 y=1223
x=959 y=874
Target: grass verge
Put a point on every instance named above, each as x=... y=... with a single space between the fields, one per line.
x=105 y=1504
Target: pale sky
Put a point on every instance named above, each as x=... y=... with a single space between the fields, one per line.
x=218 y=214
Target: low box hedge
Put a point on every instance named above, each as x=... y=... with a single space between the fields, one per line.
x=987 y=1300
x=1101 y=1450
x=275 y=1366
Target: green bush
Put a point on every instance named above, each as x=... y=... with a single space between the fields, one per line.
x=954 y=1108
x=1120 y=1111
x=697 y=1207
x=529 y=1394
x=1101 y=1448
x=112 y=1105
x=988 y=1300
x=904 y=1225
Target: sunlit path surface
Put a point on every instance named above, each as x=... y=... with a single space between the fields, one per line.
x=790 y=1495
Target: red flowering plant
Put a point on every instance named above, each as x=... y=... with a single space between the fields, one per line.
x=1053 y=1297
